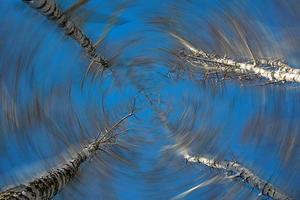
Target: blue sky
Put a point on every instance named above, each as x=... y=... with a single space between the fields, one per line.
x=39 y=63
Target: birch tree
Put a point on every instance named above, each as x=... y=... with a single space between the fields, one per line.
x=51 y=10
x=238 y=171
x=48 y=185
x=272 y=70
x=192 y=55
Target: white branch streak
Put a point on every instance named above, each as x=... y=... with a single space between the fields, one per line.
x=201 y=185
x=187 y=44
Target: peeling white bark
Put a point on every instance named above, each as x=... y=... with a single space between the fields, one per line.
x=280 y=71
x=240 y=171
x=277 y=63
x=277 y=75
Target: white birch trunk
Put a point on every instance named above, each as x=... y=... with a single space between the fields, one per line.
x=280 y=72
x=242 y=172
x=46 y=186
x=50 y=9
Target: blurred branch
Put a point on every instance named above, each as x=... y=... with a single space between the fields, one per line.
x=50 y=9
x=214 y=179
x=112 y=21
x=75 y=6
x=48 y=185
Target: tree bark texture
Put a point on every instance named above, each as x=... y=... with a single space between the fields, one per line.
x=50 y=9
x=46 y=186
x=242 y=172
x=259 y=67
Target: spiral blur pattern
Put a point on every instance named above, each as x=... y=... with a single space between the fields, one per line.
x=50 y=106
